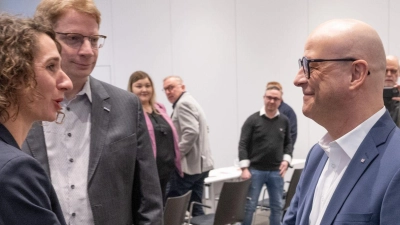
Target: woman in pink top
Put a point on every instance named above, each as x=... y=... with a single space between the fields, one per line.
x=164 y=138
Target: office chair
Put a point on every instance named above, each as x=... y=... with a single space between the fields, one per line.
x=230 y=208
x=175 y=209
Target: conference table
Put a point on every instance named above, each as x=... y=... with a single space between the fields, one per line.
x=231 y=173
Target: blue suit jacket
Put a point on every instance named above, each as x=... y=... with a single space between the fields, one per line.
x=26 y=193
x=369 y=192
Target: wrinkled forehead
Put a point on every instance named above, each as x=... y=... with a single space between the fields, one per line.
x=392 y=62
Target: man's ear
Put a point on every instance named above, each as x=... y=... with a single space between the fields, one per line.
x=359 y=73
x=183 y=87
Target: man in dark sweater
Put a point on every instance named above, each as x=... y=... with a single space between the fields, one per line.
x=265 y=151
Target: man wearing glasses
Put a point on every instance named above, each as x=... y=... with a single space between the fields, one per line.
x=191 y=125
x=99 y=159
x=265 y=152
x=352 y=176
x=391 y=92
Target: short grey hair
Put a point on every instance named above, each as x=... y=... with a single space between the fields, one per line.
x=178 y=78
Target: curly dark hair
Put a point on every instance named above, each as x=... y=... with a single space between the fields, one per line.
x=18 y=45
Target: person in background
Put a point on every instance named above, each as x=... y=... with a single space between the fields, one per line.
x=265 y=152
x=392 y=74
x=190 y=123
x=32 y=85
x=352 y=175
x=164 y=138
x=100 y=159
x=286 y=110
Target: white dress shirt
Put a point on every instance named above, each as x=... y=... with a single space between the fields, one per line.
x=68 y=146
x=340 y=153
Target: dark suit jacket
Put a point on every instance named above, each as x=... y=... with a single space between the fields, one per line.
x=122 y=185
x=26 y=193
x=368 y=192
x=286 y=110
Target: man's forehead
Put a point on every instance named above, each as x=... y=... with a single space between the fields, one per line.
x=323 y=46
x=391 y=61
x=170 y=81
x=273 y=92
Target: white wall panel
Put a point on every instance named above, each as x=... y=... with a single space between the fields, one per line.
x=21 y=7
x=373 y=12
x=270 y=38
x=204 y=55
x=394 y=28
x=142 y=40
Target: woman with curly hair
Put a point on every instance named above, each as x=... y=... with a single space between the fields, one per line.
x=32 y=85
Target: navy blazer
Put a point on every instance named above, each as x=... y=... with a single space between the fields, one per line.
x=26 y=193
x=369 y=191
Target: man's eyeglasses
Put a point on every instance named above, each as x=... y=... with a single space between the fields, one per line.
x=269 y=98
x=170 y=88
x=305 y=63
x=75 y=40
x=392 y=71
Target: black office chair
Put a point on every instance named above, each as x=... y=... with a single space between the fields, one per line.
x=292 y=189
x=287 y=196
x=175 y=209
x=231 y=205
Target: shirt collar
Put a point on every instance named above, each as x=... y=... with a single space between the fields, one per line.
x=86 y=90
x=262 y=112
x=173 y=105
x=352 y=140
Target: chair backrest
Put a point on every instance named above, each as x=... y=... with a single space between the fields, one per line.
x=231 y=203
x=292 y=187
x=175 y=209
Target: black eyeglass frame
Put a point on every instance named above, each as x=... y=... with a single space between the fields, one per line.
x=90 y=37
x=307 y=73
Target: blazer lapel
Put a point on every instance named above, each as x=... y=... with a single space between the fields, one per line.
x=364 y=156
x=307 y=205
x=37 y=146
x=100 y=116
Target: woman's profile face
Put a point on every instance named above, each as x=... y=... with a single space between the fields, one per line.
x=143 y=89
x=52 y=82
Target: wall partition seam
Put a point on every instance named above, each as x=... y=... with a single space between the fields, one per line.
x=236 y=69
x=171 y=37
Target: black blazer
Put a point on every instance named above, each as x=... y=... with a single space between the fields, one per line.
x=26 y=193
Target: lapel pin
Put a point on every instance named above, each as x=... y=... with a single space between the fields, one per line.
x=362 y=160
x=107 y=109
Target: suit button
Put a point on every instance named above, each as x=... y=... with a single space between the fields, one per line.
x=73 y=214
x=69 y=134
x=73 y=186
x=71 y=160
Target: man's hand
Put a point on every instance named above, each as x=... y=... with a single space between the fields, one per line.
x=283 y=168
x=245 y=174
x=396 y=98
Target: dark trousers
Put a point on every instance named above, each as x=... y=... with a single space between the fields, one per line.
x=181 y=185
